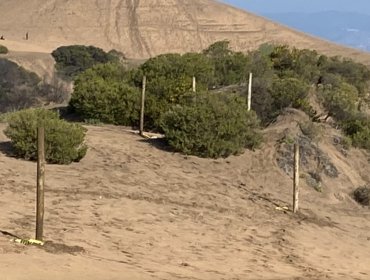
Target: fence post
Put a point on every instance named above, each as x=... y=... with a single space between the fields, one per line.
x=142 y=110
x=250 y=92
x=40 y=183
x=296 y=179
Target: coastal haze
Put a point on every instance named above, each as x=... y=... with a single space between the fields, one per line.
x=343 y=22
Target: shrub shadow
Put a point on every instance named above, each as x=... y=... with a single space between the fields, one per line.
x=6 y=148
x=7 y=233
x=66 y=113
x=159 y=143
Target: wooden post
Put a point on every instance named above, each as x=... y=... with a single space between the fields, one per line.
x=250 y=92
x=142 y=107
x=40 y=183
x=194 y=84
x=296 y=179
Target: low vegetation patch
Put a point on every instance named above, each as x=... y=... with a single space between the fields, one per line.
x=362 y=195
x=102 y=95
x=211 y=126
x=283 y=77
x=312 y=130
x=3 y=49
x=64 y=142
x=358 y=130
x=72 y=60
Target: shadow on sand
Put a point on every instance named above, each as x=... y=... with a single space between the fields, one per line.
x=6 y=233
x=159 y=143
x=7 y=149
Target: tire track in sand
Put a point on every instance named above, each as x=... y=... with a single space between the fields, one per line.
x=134 y=31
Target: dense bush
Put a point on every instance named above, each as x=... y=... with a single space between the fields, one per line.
x=263 y=77
x=272 y=95
x=289 y=92
x=64 y=142
x=169 y=79
x=213 y=126
x=3 y=49
x=351 y=72
x=172 y=67
x=340 y=101
x=101 y=94
x=358 y=129
x=230 y=67
x=72 y=60
x=300 y=64
x=281 y=78
x=362 y=195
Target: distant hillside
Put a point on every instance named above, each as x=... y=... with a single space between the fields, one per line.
x=145 y=28
x=351 y=29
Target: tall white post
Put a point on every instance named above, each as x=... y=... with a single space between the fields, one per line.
x=250 y=91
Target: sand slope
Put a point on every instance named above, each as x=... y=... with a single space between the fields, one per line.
x=140 y=212
x=144 y=28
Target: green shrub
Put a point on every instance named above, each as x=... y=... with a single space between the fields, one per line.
x=340 y=101
x=169 y=79
x=229 y=67
x=362 y=195
x=358 y=129
x=100 y=94
x=3 y=49
x=353 y=73
x=295 y=63
x=64 y=142
x=72 y=60
x=346 y=142
x=212 y=126
x=289 y=92
x=312 y=130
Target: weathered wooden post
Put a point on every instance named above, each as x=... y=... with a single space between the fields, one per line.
x=250 y=92
x=296 y=179
x=40 y=183
x=194 y=84
x=142 y=107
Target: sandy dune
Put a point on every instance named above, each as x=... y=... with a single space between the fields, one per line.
x=135 y=211
x=140 y=29
x=144 y=28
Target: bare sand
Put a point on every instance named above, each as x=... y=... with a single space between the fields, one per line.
x=132 y=210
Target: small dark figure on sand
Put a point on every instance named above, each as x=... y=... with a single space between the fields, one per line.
x=27 y=36
x=2 y=37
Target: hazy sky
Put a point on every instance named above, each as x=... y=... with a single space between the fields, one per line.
x=279 y=6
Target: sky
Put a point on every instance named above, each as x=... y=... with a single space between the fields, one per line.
x=282 y=6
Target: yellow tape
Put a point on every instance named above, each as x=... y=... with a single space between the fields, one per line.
x=28 y=241
x=284 y=208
